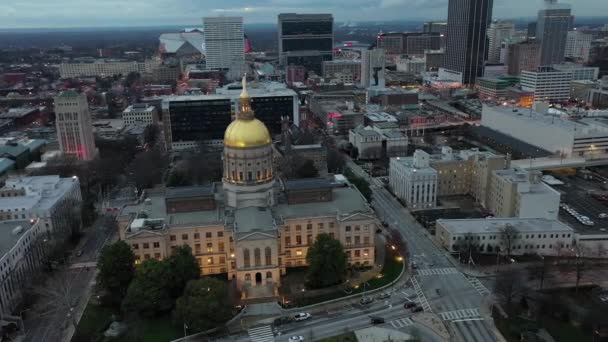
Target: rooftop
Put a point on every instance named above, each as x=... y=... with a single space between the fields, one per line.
x=139 y=108
x=308 y=183
x=251 y=219
x=345 y=200
x=190 y=191
x=171 y=42
x=256 y=89
x=494 y=225
x=365 y=132
x=381 y=117
x=8 y=235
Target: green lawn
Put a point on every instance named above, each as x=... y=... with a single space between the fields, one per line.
x=97 y=318
x=348 y=337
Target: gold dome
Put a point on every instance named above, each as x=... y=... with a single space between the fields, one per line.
x=246 y=133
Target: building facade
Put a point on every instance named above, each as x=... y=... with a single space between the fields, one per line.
x=306 y=40
x=552 y=32
x=414 y=181
x=74 y=126
x=106 y=67
x=140 y=113
x=346 y=71
x=499 y=30
x=466 y=44
x=523 y=56
x=367 y=142
x=578 y=46
x=547 y=84
x=225 y=44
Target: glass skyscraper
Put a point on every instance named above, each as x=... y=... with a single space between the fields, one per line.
x=552 y=32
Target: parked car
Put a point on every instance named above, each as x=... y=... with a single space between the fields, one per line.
x=416 y=309
x=366 y=300
x=409 y=305
x=377 y=320
x=302 y=316
x=296 y=339
x=282 y=320
x=603 y=215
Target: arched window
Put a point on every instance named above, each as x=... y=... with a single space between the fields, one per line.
x=268 y=256
x=257 y=255
x=268 y=275
x=246 y=258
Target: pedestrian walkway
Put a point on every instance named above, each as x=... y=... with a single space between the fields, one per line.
x=437 y=271
x=261 y=334
x=476 y=283
x=421 y=297
x=461 y=315
x=401 y=323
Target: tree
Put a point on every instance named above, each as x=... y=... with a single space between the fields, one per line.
x=581 y=265
x=148 y=293
x=509 y=285
x=147 y=168
x=327 y=262
x=508 y=236
x=307 y=169
x=182 y=267
x=466 y=246
x=116 y=269
x=361 y=184
x=178 y=178
x=335 y=160
x=151 y=134
x=203 y=305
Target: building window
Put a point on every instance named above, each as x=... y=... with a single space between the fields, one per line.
x=348 y=240
x=286 y=228
x=309 y=226
x=156 y=244
x=197 y=236
x=366 y=240
x=210 y=247
x=320 y=226
x=208 y=235
x=197 y=248
x=222 y=259
x=246 y=258
x=298 y=240
x=146 y=256
x=288 y=253
x=220 y=246
x=157 y=256
x=268 y=256
x=309 y=239
x=220 y=234
x=135 y=246
x=184 y=236
x=347 y=228
x=288 y=241
x=298 y=228
x=331 y=225
x=357 y=253
x=210 y=260
x=172 y=237
x=298 y=252
x=146 y=245
x=357 y=240
x=257 y=256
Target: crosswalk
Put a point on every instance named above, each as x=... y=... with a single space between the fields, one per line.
x=261 y=334
x=437 y=271
x=476 y=283
x=421 y=297
x=401 y=323
x=462 y=314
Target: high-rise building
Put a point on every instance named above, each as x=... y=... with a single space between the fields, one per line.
x=410 y=43
x=435 y=26
x=74 y=127
x=372 y=68
x=532 y=29
x=306 y=39
x=522 y=56
x=466 y=45
x=547 y=84
x=393 y=43
x=499 y=30
x=578 y=45
x=225 y=44
x=552 y=32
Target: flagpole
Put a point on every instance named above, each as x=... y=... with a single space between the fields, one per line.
x=185 y=333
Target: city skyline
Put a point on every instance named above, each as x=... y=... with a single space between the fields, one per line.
x=71 y=13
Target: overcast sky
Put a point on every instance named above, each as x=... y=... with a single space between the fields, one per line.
x=87 y=13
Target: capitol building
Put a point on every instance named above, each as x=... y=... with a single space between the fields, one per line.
x=252 y=226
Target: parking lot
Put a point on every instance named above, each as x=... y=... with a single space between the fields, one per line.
x=576 y=193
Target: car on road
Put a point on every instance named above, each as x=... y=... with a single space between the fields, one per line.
x=377 y=320
x=296 y=339
x=416 y=309
x=603 y=215
x=282 y=320
x=414 y=265
x=366 y=300
x=302 y=316
x=409 y=305
x=384 y=295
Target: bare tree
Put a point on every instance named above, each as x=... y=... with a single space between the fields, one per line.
x=509 y=284
x=508 y=237
x=540 y=270
x=466 y=246
x=600 y=250
x=58 y=296
x=580 y=262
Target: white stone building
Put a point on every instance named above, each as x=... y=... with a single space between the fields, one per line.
x=412 y=65
x=74 y=126
x=225 y=44
x=579 y=72
x=498 y=31
x=140 y=113
x=414 y=181
x=522 y=194
x=547 y=83
x=578 y=45
x=107 y=67
x=534 y=235
x=367 y=141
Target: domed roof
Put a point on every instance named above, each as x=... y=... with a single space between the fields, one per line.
x=246 y=133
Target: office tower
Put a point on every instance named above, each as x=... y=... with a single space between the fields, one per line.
x=466 y=45
x=547 y=84
x=74 y=127
x=225 y=44
x=532 y=30
x=499 y=30
x=393 y=43
x=578 y=46
x=306 y=40
x=435 y=27
x=551 y=31
x=372 y=68
x=522 y=56
x=411 y=43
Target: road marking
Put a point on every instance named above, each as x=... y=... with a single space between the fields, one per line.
x=460 y=314
x=438 y=271
x=261 y=334
x=400 y=323
x=421 y=297
x=477 y=285
x=467 y=320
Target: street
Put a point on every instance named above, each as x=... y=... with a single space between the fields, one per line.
x=50 y=317
x=441 y=288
